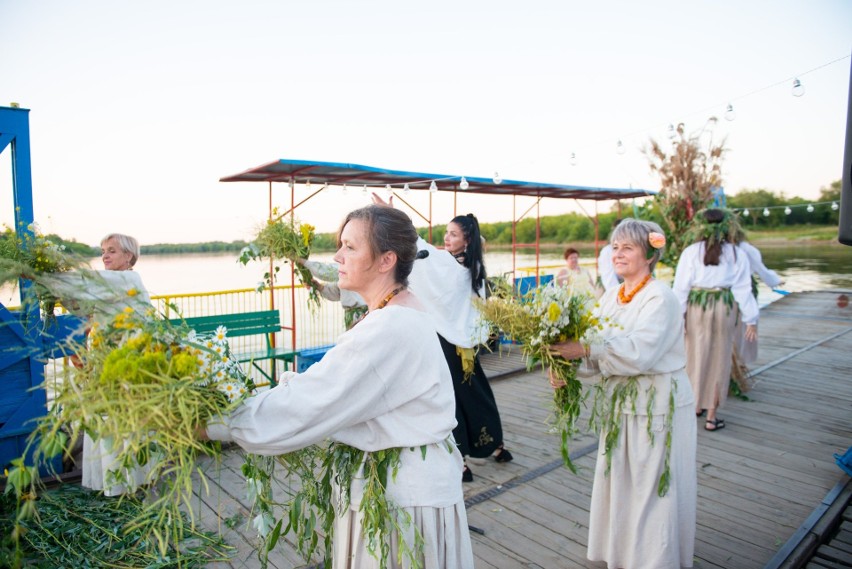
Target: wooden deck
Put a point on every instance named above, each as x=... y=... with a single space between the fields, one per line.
x=765 y=482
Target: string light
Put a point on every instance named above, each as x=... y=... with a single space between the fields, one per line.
x=788 y=209
x=620 y=148
x=671 y=132
x=405 y=188
x=798 y=89
x=730 y=113
x=345 y=189
x=573 y=159
x=364 y=191
x=497 y=179
x=463 y=184
x=433 y=187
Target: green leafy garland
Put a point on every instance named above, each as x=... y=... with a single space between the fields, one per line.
x=607 y=416
x=326 y=473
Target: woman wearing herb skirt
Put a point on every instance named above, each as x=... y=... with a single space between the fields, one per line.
x=713 y=284
x=384 y=390
x=446 y=282
x=643 y=501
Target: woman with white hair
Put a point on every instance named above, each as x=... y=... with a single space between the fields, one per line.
x=101 y=296
x=643 y=500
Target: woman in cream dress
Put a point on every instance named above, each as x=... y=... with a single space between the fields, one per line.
x=631 y=526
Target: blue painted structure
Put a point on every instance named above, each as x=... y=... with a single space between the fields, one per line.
x=25 y=341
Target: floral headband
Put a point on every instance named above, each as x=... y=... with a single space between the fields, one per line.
x=656 y=241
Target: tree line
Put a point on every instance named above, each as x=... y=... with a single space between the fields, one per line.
x=554 y=229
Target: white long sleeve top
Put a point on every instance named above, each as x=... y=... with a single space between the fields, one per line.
x=384 y=385
x=733 y=271
x=103 y=294
x=605 y=269
x=755 y=259
x=442 y=285
x=644 y=339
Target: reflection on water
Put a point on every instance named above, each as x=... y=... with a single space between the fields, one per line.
x=803 y=268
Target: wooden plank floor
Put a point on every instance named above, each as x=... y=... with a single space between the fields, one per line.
x=759 y=479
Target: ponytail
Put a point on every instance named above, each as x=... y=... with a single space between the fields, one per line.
x=473 y=258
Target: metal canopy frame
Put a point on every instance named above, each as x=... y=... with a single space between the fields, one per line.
x=326 y=174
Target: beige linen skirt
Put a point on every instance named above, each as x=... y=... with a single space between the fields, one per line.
x=710 y=337
x=630 y=525
x=444 y=530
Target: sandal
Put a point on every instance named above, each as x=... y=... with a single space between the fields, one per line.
x=467 y=475
x=717 y=424
x=503 y=455
x=701 y=414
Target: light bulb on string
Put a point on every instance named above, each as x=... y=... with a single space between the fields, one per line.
x=671 y=132
x=433 y=187
x=388 y=190
x=620 y=148
x=787 y=210
x=497 y=179
x=810 y=208
x=745 y=212
x=364 y=191
x=463 y=184
x=730 y=113
x=573 y=159
x=766 y=212
x=345 y=190
x=834 y=206
x=405 y=188
x=308 y=185
x=798 y=89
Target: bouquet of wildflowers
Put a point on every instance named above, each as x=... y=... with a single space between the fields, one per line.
x=545 y=316
x=27 y=253
x=143 y=388
x=284 y=240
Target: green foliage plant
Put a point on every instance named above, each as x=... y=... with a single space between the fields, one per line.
x=688 y=173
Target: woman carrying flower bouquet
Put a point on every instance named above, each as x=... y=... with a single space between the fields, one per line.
x=713 y=284
x=103 y=295
x=384 y=385
x=643 y=500
x=446 y=282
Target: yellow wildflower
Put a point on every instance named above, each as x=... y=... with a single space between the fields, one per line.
x=554 y=311
x=132 y=292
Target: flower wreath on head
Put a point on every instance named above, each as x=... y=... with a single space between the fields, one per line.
x=728 y=230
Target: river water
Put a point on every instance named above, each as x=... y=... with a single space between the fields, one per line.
x=803 y=268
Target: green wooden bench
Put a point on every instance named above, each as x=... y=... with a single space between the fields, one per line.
x=266 y=322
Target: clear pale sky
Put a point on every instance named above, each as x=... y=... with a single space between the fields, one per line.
x=137 y=109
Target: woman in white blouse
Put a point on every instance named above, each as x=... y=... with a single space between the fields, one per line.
x=446 y=282
x=102 y=295
x=384 y=385
x=631 y=526
x=713 y=284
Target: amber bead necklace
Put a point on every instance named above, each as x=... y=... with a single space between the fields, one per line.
x=626 y=298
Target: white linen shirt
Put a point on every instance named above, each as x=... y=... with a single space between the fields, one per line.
x=442 y=285
x=644 y=339
x=384 y=385
x=733 y=272
x=755 y=259
x=102 y=293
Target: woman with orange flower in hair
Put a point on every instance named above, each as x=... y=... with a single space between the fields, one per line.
x=643 y=500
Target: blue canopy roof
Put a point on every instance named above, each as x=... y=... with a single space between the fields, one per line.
x=335 y=173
